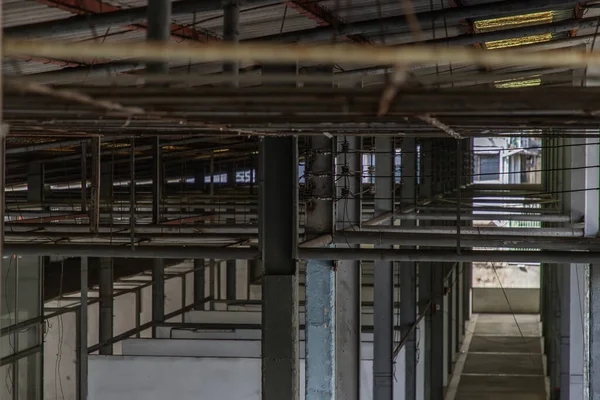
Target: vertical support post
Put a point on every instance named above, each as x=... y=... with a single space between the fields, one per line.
x=436 y=344
x=158 y=292
x=156 y=180
x=230 y=280
x=199 y=283
x=84 y=178
x=231 y=18
x=278 y=240
x=320 y=275
x=159 y=30
x=212 y=277
x=383 y=277
x=348 y=275
x=106 y=303
x=132 y=205
x=408 y=273
x=106 y=182
x=35 y=182
x=94 y=213
x=82 y=331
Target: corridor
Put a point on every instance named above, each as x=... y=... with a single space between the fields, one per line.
x=501 y=359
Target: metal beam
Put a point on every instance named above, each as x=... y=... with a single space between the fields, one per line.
x=383 y=275
x=278 y=171
x=107 y=16
x=199 y=282
x=400 y=23
x=348 y=275
x=95 y=186
x=82 y=333
x=408 y=273
x=158 y=292
x=106 y=303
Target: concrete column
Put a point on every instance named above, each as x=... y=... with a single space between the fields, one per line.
x=35 y=182
x=158 y=292
x=408 y=273
x=320 y=275
x=383 y=277
x=106 y=303
x=278 y=242
x=231 y=18
x=348 y=275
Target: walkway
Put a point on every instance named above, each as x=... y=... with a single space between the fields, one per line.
x=499 y=363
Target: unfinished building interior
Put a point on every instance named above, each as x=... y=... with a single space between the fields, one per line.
x=303 y=199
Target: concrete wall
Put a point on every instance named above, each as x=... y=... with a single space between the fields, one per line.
x=187 y=378
x=493 y=300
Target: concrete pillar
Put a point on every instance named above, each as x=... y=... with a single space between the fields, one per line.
x=348 y=275
x=383 y=276
x=159 y=30
x=278 y=229
x=157 y=177
x=320 y=275
x=408 y=273
x=94 y=212
x=106 y=303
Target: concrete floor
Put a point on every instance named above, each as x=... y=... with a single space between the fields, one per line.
x=502 y=361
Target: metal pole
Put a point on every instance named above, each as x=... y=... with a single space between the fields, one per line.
x=159 y=30
x=408 y=274
x=94 y=213
x=156 y=179
x=231 y=18
x=348 y=275
x=230 y=279
x=278 y=233
x=383 y=277
x=199 y=283
x=106 y=303
x=320 y=275
x=158 y=293
x=84 y=153
x=82 y=330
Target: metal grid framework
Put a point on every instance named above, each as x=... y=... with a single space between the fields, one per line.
x=326 y=174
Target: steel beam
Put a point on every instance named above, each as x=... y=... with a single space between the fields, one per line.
x=199 y=282
x=159 y=30
x=230 y=279
x=35 y=182
x=320 y=274
x=158 y=292
x=408 y=273
x=278 y=171
x=231 y=20
x=383 y=276
x=82 y=333
x=106 y=303
x=95 y=186
x=348 y=275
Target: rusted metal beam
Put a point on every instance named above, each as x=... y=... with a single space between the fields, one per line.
x=179 y=32
x=312 y=10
